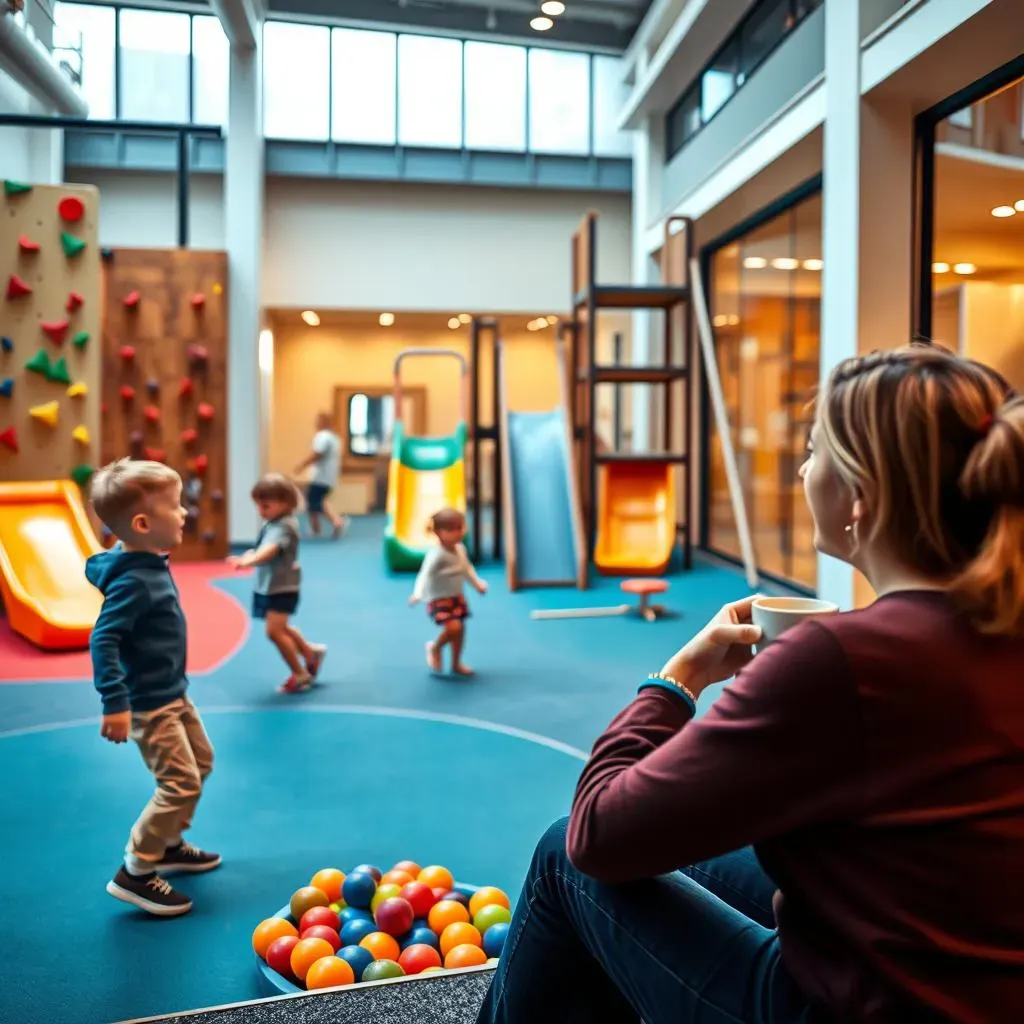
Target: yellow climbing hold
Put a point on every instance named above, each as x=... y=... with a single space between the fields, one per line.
x=81 y=435
x=218 y=289
x=79 y=390
x=47 y=413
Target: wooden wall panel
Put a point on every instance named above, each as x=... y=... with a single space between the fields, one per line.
x=162 y=328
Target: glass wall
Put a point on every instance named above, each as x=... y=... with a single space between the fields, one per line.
x=766 y=315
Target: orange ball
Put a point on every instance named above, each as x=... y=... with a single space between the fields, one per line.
x=459 y=933
x=396 y=877
x=329 y=972
x=269 y=931
x=465 y=956
x=306 y=953
x=410 y=866
x=445 y=913
x=485 y=896
x=430 y=970
x=381 y=946
x=329 y=882
x=436 y=877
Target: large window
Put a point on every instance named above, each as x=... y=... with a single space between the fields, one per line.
x=296 y=81
x=429 y=91
x=610 y=94
x=154 y=65
x=209 y=71
x=559 y=102
x=495 y=96
x=363 y=86
x=766 y=308
x=83 y=39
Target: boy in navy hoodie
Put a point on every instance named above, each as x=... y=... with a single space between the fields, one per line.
x=138 y=659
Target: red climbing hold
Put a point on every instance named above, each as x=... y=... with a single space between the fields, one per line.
x=205 y=411
x=131 y=300
x=9 y=439
x=152 y=414
x=189 y=435
x=75 y=301
x=127 y=392
x=155 y=454
x=197 y=354
x=16 y=288
x=71 y=209
x=198 y=300
x=25 y=244
x=103 y=407
x=127 y=352
x=56 y=329
x=200 y=464
x=187 y=387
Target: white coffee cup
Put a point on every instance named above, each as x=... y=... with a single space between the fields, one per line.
x=777 y=614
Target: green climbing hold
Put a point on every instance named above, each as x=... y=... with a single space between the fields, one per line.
x=59 y=372
x=16 y=188
x=82 y=474
x=72 y=246
x=39 y=363
x=80 y=339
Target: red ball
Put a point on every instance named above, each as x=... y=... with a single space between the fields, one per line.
x=321 y=931
x=416 y=959
x=279 y=955
x=420 y=897
x=458 y=897
x=319 y=915
x=439 y=893
x=394 y=916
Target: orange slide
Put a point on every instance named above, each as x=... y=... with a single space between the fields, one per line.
x=636 y=518
x=45 y=538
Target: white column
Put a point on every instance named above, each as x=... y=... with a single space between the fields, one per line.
x=243 y=228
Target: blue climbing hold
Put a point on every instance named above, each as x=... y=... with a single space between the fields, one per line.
x=7 y=387
x=7 y=344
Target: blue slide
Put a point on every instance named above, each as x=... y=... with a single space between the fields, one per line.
x=542 y=526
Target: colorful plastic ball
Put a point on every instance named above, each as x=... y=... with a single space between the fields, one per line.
x=329 y=882
x=394 y=916
x=431 y=970
x=321 y=931
x=420 y=897
x=338 y=906
x=486 y=896
x=396 y=877
x=381 y=970
x=381 y=945
x=445 y=913
x=466 y=955
x=319 y=915
x=354 y=914
x=305 y=898
x=494 y=939
x=417 y=958
x=489 y=916
x=353 y=932
x=358 y=959
x=367 y=869
x=385 y=891
x=306 y=953
x=435 y=875
x=279 y=955
x=329 y=972
x=456 y=897
x=439 y=892
x=409 y=866
x=268 y=932
x=358 y=889
x=459 y=933
x=420 y=936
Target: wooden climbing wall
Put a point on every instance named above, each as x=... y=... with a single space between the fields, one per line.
x=165 y=344
x=49 y=331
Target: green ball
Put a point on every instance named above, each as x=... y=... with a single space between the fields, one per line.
x=382 y=970
x=384 y=892
x=493 y=913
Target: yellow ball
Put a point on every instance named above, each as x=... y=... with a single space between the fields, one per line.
x=384 y=892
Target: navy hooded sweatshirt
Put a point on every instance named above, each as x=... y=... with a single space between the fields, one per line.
x=139 y=640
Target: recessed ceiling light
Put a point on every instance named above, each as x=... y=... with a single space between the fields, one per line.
x=755 y=263
x=541 y=23
x=310 y=318
x=733 y=319
x=465 y=318
x=386 y=319
x=552 y=7
x=940 y=268
x=1003 y=211
x=454 y=323
x=813 y=264
x=552 y=320
x=964 y=268
x=785 y=263
x=720 y=321
x=1019 y=206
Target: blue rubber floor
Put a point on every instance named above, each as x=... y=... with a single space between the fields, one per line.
x=382 y=762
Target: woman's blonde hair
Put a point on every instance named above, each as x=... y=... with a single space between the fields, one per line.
x=935 y=444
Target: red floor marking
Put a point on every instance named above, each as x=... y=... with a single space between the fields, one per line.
x=217 y=627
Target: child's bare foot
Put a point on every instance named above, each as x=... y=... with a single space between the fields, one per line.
x=433 y=657
x=462 y=670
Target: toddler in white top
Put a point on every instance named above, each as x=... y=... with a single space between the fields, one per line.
x=440 y=582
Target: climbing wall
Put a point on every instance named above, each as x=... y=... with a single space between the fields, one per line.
x=165 y=377
x=49 y=332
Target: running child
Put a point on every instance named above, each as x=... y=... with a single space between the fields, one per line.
x=278 y=577
x=441 y=580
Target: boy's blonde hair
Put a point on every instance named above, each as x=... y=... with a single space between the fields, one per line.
x=119 y=488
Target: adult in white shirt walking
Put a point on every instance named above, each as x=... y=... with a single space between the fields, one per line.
x=325 y=458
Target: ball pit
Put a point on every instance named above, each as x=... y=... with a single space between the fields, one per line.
x=373 y=925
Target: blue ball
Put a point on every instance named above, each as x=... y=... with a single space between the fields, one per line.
x=357 y=958
x=358 y=889
x=494 y=938
x=354 y=914
x=367 y=869
x=422 y=934
x=355 y=931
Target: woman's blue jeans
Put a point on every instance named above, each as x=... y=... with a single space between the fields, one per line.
x=694 y=947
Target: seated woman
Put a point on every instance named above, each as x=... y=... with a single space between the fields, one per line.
x=874 y=760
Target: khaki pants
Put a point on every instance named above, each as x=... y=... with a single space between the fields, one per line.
x=177 y=751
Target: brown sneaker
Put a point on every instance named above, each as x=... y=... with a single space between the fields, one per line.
x=149 y=893
x=187 y=859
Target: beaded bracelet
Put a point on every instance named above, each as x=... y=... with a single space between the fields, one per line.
x=662 y=678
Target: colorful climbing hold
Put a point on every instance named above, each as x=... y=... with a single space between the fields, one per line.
x=218 y=289
x=197 y=354
x=17 y=288
x=48 y=413
x=57 y=330
x=152 y=385
x=75 y=301
x=7 y=344
x=152 y=414
x=59 y=372
x=199 y=465
x=205 y=411
x=78 y=390
x=82 y=474
x=198 y=300
x=72 y=246
x=81 y=435
x=216 y=497
x=131 y=300
x=6 y=387
x=71 y=209
x=127 y=392
x=9 y=439
x=186 y=388
x=209 y=536
x=39 y=363
x=156 y=454
x=127 y=353
x=189 y=435
x=16 y=188
x=135 y=439
x=26 y=245
x=81 y=339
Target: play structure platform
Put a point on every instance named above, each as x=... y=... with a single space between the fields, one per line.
x=45 y=538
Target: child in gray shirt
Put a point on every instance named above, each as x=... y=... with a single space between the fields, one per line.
x=440 y=583
x=278 y=576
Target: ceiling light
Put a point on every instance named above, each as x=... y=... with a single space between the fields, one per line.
x=532 y=326
x=310 y=318
x=733 y=319
x=940 y=268
x=813 y=264
x=552 y=7
x=720 y=321
x=541 y=23
x=755 y=263
x=552 y=320
x=453 y=323
x=785 y=263
x=1003 y=211
x=964 y=268
x=465 y=318
x=386 y=319
x=1019 y=206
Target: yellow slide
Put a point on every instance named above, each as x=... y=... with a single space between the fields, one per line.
x=45 y=538
x=636 y=518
